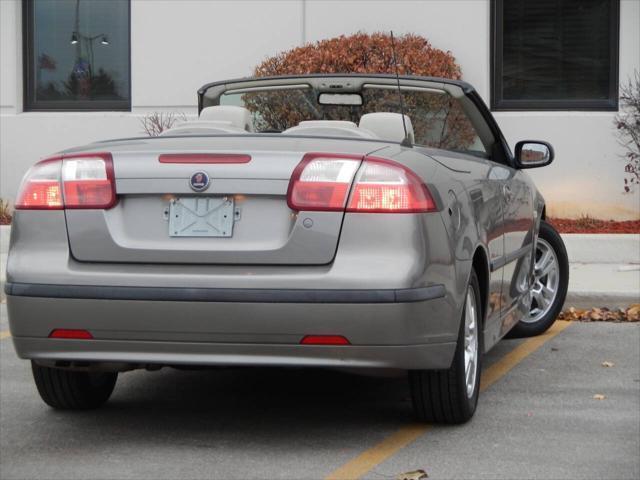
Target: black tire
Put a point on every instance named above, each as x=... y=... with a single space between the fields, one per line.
x=71 y=390
x=530 y=329
x=440 y=396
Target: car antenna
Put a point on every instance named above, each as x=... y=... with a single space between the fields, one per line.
x=406 y=141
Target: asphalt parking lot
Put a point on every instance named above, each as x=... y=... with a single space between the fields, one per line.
x=537 y=418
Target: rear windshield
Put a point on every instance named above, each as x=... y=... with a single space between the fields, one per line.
x=437 y=118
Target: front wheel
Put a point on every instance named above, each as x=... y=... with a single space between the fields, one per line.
x=450 y=396
x=71 y=390
x=550 y=283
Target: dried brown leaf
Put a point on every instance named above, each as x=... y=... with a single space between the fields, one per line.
x=414 y=475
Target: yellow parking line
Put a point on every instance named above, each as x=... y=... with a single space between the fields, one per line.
x=4 y=334
x=377 y=454
x=499 y=369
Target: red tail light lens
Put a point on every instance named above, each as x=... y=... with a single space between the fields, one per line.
x=384 y=186
x=322 y=181
x=41 y=188
x=73 y=334
x=88 y=181
x=71 y=181
x=324 y=340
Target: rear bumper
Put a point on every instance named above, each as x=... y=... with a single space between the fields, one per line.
x=138 y=326
x=131 y=354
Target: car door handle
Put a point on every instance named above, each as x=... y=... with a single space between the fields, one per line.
x=508 y=195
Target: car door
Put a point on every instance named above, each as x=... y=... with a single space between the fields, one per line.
x=519 y=225
x=492 y=222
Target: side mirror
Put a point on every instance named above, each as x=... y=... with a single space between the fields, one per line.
x=533 y=154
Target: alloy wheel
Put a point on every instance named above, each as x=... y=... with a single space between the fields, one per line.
x=470 y=342
x=546 y=279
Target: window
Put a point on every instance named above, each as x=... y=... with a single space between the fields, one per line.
x=554 y=54
x=437 y=119
x=76 y=55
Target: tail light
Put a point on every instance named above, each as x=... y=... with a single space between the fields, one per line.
x=324 y=182
x=384 y=186
x=71 y=181
x=40 y=187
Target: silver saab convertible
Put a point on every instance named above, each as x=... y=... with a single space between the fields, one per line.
x=341 y=221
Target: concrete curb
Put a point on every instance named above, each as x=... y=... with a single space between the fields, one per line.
x=602 y=248
x=588 y=300
x=604 y=270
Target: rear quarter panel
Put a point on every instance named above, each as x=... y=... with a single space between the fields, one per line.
x=472 y=210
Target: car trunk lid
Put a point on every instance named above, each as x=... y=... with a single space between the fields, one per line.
x=240 y=217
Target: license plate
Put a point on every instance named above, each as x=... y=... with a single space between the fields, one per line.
x=201 y=217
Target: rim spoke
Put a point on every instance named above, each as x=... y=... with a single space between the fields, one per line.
x=537 y=295
x=544 y=260
x=542 y=302
x=548 y=267
x=548 y=292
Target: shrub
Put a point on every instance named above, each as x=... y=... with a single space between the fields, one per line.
x=5 y=212
x=363 y=53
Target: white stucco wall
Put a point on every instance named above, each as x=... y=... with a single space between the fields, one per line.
x=178 y=46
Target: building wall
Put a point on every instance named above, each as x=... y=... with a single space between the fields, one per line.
x=178 y=46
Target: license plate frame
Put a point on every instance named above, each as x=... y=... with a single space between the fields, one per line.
x=201 y=216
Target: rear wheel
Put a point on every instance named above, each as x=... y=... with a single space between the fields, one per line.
x=450 y=396
x=550 y=283
x=71 y=390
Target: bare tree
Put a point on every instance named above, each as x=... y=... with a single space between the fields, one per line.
x=155 y=123
x=628 y=125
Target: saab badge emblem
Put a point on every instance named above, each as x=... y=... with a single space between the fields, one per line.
x=199 y=181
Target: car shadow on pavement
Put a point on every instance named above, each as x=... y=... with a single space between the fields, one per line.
x=260 y=405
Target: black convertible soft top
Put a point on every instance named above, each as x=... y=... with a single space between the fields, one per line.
x=223 y=85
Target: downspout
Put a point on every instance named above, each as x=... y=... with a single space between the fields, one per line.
x=303 y=26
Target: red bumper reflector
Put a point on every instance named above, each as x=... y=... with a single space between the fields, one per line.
x=324 y=340
x=204 y=158
x=65 y=333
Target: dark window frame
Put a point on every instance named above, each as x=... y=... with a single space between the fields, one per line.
x=30 y=104
x=500 y=104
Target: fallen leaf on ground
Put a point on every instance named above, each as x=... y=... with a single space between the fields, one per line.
x=599 y=396
x=596 y=314
x=602 y=314
x=415 y=475
x=608 y=364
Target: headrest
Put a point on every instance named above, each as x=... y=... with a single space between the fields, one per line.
x=239 y=117
x=387 y=125
x=329 y=128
